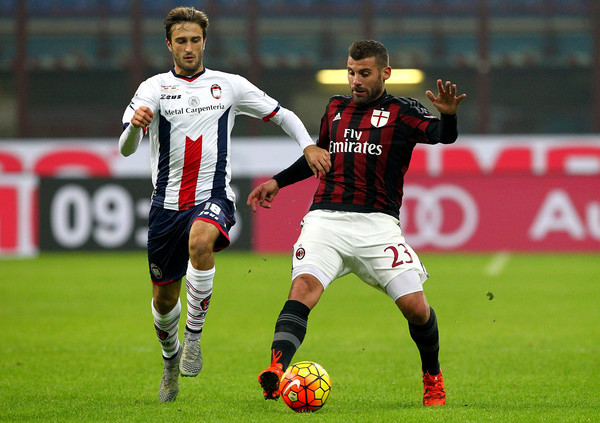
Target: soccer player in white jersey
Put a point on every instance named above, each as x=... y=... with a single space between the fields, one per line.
x=189 y=114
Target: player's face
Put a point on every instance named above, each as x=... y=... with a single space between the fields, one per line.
x=187 y=46
x=366 y=80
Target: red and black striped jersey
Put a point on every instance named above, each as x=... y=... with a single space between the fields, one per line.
x=370 y=149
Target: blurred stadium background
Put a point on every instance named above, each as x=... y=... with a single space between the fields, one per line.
x=531 y=68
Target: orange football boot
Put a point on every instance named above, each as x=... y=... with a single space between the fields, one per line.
x=434 y=393
x=270 y=378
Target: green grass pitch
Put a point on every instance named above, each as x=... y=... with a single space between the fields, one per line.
x=520 y=342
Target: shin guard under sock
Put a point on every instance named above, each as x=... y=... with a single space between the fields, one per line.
x=427 y=339
x=290 y=330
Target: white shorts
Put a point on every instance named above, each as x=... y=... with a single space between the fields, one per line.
x=370 y=245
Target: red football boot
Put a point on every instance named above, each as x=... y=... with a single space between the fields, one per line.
x=270 y=378
x=434 y=393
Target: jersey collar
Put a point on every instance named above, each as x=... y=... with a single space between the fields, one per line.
x=187 y=78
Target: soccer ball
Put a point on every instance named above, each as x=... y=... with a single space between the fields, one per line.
x=305 y=386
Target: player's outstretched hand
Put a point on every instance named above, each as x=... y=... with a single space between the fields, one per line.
x=318 y=159
x=142 y=117
x=264 y=194
x=446 y=101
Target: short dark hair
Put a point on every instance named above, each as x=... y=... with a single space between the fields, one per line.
x=362 y=49
x=185 y=14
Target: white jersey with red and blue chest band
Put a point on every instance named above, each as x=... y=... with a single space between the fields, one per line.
x=190 y=134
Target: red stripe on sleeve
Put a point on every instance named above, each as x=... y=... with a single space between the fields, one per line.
x=273 y=113
x=267 y=118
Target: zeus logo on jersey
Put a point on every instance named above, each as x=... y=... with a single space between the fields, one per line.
x=353 y=144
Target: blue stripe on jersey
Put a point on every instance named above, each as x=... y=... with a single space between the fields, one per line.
x=164 y=150
x=218 y=188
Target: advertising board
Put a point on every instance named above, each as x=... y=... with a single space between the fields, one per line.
x=520 y=193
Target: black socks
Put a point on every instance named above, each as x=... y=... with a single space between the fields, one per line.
x=427 y=339
x=290 y=330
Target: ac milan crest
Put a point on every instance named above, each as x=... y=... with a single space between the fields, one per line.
x=215 y=90
x=379 y=118
x=300 y=253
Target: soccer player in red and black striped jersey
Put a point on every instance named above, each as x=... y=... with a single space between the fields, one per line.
x=353 y=224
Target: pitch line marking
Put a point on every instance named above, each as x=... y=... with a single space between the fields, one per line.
x=497 y=265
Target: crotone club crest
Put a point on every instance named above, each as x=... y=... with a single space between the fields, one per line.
x=162 y=334
x=215 y=90
x=156 y=271
x=379 y=118
x=205 y=302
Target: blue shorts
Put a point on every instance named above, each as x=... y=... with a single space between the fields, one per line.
x=168 y=236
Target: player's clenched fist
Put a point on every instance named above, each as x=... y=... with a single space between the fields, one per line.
x=142 y=117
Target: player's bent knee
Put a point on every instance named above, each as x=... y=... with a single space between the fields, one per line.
x=414 y=307
x=202 y=238
x=200 y=245
x=164 y=304
x=166 y=296
x=407 y=292
x=307 y=289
